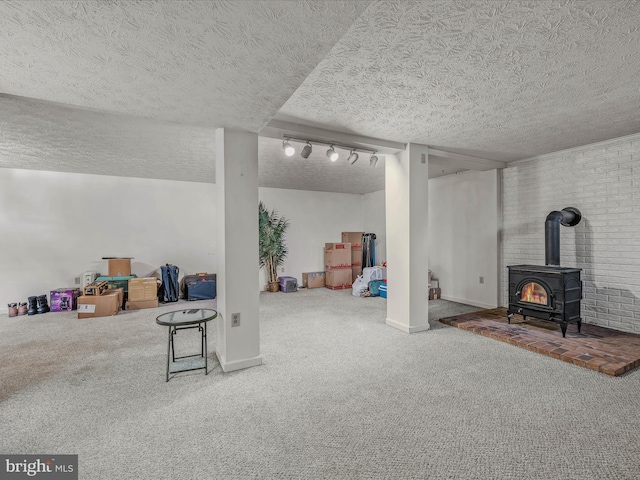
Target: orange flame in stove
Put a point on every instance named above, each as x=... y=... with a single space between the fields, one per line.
x=534 y=293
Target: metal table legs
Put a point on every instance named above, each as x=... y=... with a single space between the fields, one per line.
x=194 y=365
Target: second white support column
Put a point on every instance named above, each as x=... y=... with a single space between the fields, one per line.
x=406 y=201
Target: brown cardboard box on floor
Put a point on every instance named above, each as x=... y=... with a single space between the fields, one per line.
x=105 y=305
x=313 y=279
x=140 y=304
x=337 y=255
x=141 y=289
x=338 y=278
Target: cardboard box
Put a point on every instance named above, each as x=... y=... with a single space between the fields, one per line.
x=313 y=279
x=356 y=258
x=354 y=238
x=434 y=293
x=119 y=267
x=140 y=304
x=141 y=289
x=104 y=305
x=338 y=278
x=337 y=255
x=63 y=299
x=355 y=271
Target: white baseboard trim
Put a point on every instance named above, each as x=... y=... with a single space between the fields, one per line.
x=238 y=364
x=468 y=302
x=407 y=328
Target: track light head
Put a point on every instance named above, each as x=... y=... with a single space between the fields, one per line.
x=353 y=157
x=288 y=149
x=332 y=154
x=373 y=160
x=306 y=150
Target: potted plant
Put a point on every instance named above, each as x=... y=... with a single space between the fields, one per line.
x=273 y=249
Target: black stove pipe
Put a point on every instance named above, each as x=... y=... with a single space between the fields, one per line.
x=568 y=217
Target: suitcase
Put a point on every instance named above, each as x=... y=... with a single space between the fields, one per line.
x=170 y=289
x=201 y=286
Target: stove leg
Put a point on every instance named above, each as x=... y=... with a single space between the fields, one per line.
x=563 y=327
x=509 y=318
x=579 y=322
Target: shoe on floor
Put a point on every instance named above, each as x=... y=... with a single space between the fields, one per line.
x=22 y=308
x=33 y=305
x=13 y=309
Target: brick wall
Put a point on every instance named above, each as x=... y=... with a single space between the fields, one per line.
x=603 y=181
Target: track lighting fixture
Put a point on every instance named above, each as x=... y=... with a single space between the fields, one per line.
x=332 y=154
x=306 y=150
x=288 y=149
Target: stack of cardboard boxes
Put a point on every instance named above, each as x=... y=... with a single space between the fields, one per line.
x=337 y=265
x=108 y=302
x=342 y=264
x=141 y=293
x=355 y=239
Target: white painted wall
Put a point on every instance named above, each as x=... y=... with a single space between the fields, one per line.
x=374 y=221
x=315 y=218
x=464 y=221
x=55 y=226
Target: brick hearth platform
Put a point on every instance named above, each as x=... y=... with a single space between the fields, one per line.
x=597 y=348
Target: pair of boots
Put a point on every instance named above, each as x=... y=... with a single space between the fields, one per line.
x=37 y=305
x=16 y=309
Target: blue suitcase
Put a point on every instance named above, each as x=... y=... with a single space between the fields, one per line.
x=201 y=286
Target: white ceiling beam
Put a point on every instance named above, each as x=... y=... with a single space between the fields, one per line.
x=279 y=129
x=472 y=163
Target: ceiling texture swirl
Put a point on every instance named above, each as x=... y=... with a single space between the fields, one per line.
x=496 y=80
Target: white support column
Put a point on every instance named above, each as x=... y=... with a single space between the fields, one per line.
x=237 y=193
x=406 y=200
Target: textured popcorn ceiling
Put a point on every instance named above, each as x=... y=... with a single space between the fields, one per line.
x=40 y=135
x=496 y=79
x=207 y=63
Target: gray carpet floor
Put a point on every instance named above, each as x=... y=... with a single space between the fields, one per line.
x=340 y=395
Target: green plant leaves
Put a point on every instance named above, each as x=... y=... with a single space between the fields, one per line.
x=272 y=245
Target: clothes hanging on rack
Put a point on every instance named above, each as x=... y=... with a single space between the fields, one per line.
x=368 y=250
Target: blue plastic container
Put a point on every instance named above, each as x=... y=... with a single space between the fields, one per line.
x=383 y=291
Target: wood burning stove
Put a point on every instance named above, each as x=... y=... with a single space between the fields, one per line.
x=548 y=292
x=545 y=292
